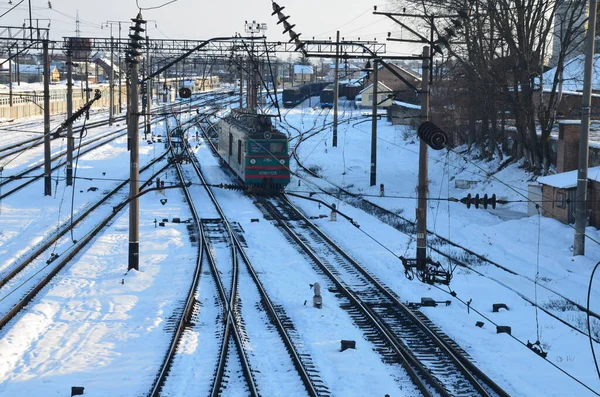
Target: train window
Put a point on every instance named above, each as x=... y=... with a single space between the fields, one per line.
x=230 y=144
x=239 y=152
x=262 y=147
x=276 y=147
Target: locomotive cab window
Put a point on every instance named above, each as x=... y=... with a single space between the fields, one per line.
x=267 y=147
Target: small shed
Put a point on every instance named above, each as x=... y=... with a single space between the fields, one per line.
x=402 y=113
x=559 y=195
x=383 y=99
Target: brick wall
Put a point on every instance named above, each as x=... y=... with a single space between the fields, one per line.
x=550 y=207
x=567 y=150
x=594 y=200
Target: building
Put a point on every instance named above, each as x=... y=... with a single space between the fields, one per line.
x=558 y=191
x=28 y=74
x=383 y=96
x=346 y=71
x=402 y=91
x=303 y=74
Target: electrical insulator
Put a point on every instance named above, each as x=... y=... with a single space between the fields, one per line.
x=477 y=201
x=433 y=135
x=135 y=43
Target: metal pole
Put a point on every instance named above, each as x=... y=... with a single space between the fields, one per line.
x=47 y=150
x=70 y=140
x=241 y=83
x=148 y=91
x=111 y=82
x=134 y=172
x=87 y=87
x=10 y=80
x=18 y=72
x=120 y=71
x=374 y=126
x=582 y=178
x=336 y=90
x=30 y=23
x=422 y=188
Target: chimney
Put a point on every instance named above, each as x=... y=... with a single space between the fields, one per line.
x=567 y=152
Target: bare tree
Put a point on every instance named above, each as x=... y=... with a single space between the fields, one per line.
x=502 y=51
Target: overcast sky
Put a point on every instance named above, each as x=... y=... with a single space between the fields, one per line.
x=203 y=19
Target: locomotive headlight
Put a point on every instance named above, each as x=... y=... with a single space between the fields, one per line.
x=252 y=161
x=282 y=161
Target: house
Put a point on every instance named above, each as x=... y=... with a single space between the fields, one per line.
x=558 y=191
x=346 y=71
x=303 y=74
x=559 y=196
x=402 y=91
x=106 y=66
x=383 y=99
x=30 y=74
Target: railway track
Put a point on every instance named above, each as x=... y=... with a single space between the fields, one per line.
x=436 y=364
x=222 y=249
x=28 y=275
x=18 y=147
x=89 y=145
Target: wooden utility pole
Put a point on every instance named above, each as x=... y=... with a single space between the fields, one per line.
x=374 y=125
x=582 y=172
x=336 y=90
x=423 y=162
x=47 y=149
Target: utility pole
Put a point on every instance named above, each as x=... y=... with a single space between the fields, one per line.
x=47 y=149
x=10 y=79
x=120 y=72
x=336 y=89
x=374 y=125
x=241 y=83
x=582 y=172
x=133 y=132
x=18 y=73
x=422 y=187
x=70 y=140
x=148 y=91
x=87 y=87
x=111 y=81
x=30 y=23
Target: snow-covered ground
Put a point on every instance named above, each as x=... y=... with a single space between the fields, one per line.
x=106 y=330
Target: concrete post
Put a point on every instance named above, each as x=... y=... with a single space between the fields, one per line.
x=422 y=188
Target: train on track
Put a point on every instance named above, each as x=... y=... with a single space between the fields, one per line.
x=297 y=94
x=255 y=150
x=348 y=90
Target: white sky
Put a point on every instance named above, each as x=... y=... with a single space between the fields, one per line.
x=193 y=19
